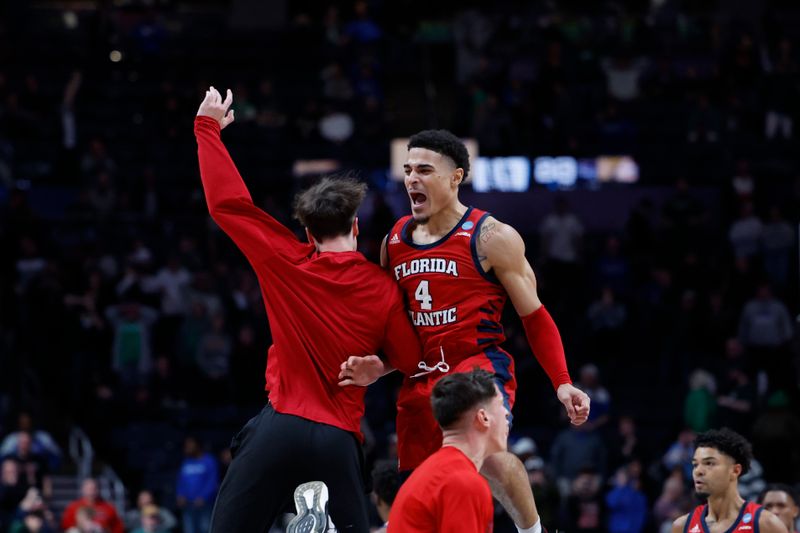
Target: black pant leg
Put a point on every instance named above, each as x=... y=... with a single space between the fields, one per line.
x=260 y=480
x=340 y=465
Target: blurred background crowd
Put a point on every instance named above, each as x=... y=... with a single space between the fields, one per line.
x=132 y=333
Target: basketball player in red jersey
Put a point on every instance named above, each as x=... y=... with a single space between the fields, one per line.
x=324 y=301
x=720 y=458
x=457 y=266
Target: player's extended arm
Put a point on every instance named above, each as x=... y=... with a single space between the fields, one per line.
x=229 y=202
x=502 y=249
x=769 y=523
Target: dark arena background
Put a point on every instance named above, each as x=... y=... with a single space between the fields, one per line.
x=645 y=150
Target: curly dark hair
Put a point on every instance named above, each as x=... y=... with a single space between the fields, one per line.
x=328 y=207
x=728 y=442
x=445 y=143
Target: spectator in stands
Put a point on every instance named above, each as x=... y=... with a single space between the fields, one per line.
x=42 y=442
x=12 y=490
x=33 y=467
x=544 y=490
x=737 y=400
x=132 y=323
x=585 y=503
x=33 y=503
x=700 y=404
x=607 y=317
x=362 y=29
x=781 y=93
x=104 y=512
x=198 y=481
x=85 y=522
x=627 y=505
x=151 y=521
x=745 y=232
x=575 y=449
x=680 y=453
x=214 y=361
x=624 y=444
x=765 y=328
x=32 y=522
x=562 y=235
x=145 y=500
x=673 y=502
x=589 y=382
x=622 y=77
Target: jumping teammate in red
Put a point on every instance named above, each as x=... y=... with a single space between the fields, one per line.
x=325 y=301
x=446 y=493
x=720 y=458
x=457 y=266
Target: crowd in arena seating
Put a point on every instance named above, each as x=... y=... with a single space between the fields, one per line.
x=126 y=312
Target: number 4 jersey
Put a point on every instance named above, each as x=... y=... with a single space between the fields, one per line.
x=455 y=307
x=454 y=304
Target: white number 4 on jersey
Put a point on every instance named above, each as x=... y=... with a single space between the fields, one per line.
x=423 y=296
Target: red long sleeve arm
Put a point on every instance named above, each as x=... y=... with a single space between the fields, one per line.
x=545 y=341
x=255 y=232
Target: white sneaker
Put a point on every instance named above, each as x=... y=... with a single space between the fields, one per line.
x=311 y=501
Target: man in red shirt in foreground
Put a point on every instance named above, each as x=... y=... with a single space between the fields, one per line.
x=325 y=302
x=447 y=492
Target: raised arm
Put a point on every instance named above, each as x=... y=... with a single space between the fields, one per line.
x=255 y=232
x=501 y=249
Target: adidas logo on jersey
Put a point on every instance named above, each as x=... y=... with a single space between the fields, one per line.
x=395 y=239
x=464 y=234
x=695 y=529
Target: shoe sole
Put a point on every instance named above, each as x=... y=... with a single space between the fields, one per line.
x=311 y=501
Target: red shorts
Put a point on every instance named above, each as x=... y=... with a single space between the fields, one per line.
x=418 y=433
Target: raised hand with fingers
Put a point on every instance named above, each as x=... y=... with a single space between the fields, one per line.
x=215 y=107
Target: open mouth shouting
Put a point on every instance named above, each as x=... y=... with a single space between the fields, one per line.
x=418 y=199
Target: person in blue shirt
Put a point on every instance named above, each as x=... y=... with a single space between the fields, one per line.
x=198 y=481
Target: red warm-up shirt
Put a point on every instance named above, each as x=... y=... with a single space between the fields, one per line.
x=322 y=307
x=444 y=494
